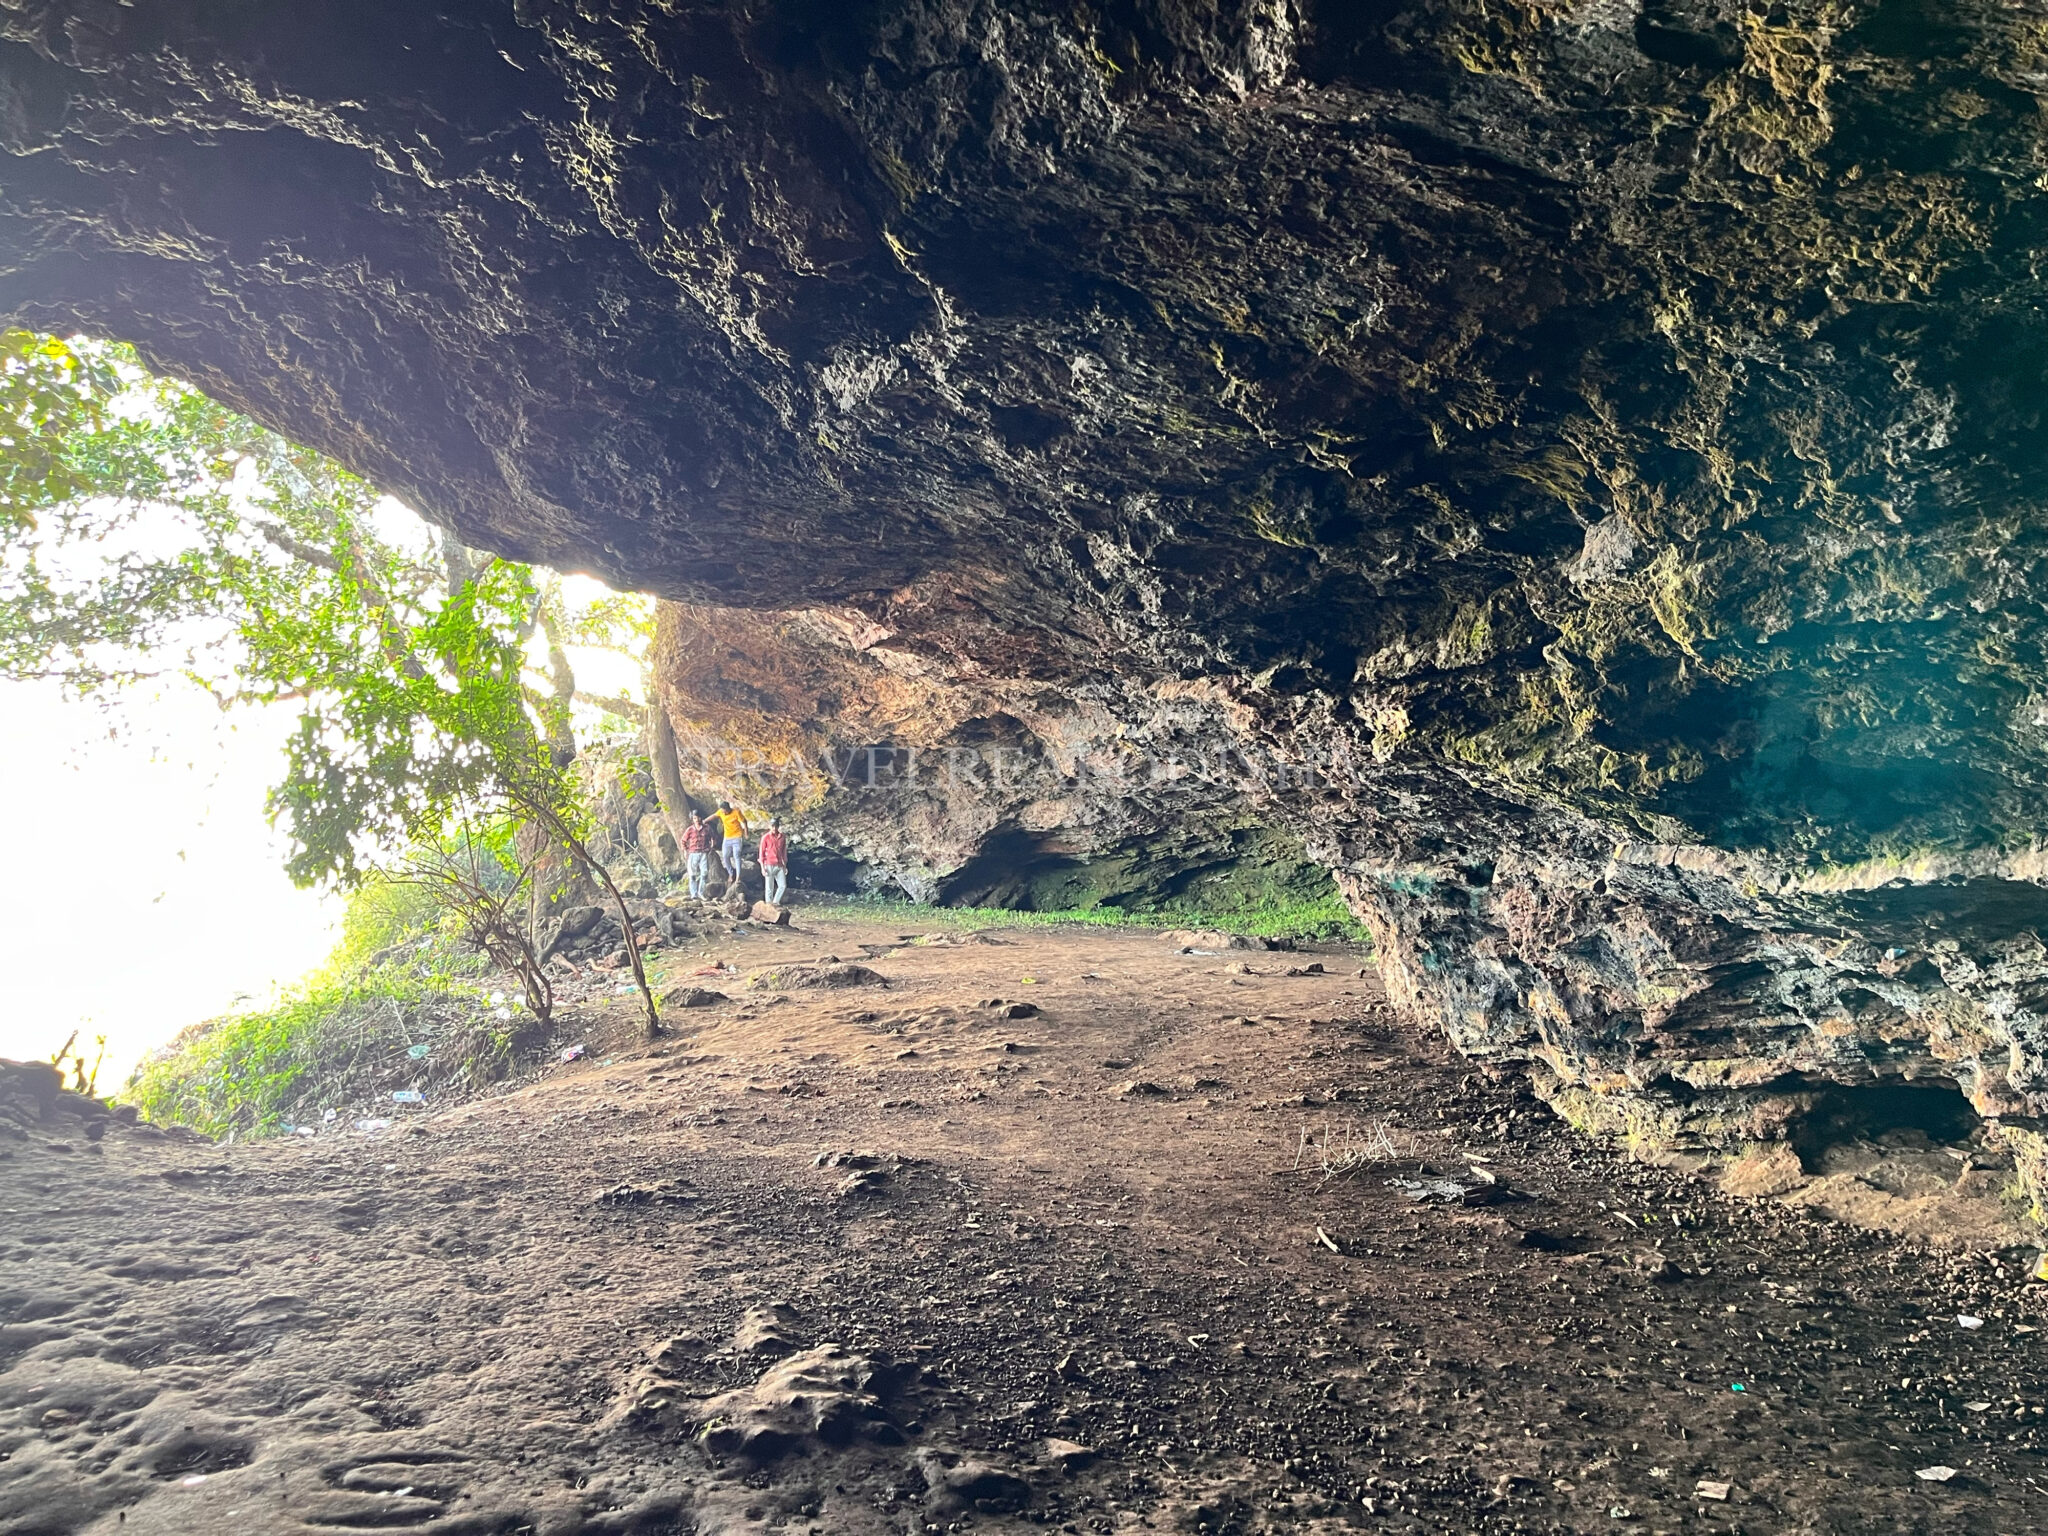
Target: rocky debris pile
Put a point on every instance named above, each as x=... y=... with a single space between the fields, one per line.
x=35 y=1102
x=590 y=933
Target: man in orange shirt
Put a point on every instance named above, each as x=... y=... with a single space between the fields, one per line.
x=731 y=852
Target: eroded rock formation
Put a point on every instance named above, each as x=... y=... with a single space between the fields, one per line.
x=977 y=790
x=1601 y=441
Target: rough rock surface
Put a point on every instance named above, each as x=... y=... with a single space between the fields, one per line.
x=901 y=771
x=1602 y=439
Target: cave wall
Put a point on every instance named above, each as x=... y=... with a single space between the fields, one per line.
x=957 y=787
x=1598 y=442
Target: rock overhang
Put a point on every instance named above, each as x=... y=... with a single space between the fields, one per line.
x=1598 y=426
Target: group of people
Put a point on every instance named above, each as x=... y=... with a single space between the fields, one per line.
x=726 y=829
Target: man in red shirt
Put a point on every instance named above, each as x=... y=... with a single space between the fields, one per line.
x=775 y=862
x=697 y=854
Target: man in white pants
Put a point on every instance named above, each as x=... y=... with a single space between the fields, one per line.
x=775 y=862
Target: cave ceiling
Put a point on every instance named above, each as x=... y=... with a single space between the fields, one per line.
x=1629 y=408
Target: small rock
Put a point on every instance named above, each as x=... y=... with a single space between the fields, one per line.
x=1139 y=1088
x=1069 y=1455
x=693 y=997
x=1653 y=1266
x=868 y=1181
x=1313 y=968
x=963 y=1484
x=853 y=1160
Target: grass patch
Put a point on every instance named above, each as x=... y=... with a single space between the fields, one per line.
x=399 y=1006
x=1322 y=918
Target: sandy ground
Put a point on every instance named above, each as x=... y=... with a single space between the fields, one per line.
x=885 y=1259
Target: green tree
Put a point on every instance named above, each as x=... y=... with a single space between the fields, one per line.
x=147 y=530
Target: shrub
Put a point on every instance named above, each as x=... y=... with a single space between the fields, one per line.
x=347 y=1035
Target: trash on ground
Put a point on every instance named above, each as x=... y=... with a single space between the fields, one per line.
x=574 y=1053
x=1967 y=1321
x=373 y=1125
x=1935 y=1474
x=408 y=1096
x=418 y=1052
x=1447 y=1190
x=1707 y=1490
x=1327 y=1241
x=1487 y=1188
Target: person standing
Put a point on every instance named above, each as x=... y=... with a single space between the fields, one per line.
x=774 y=862
x=697 y=855
x=731 y=852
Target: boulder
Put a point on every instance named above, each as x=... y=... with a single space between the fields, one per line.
x=770 y=914
x=693 y=997
x=658 y=845
x=571 y=928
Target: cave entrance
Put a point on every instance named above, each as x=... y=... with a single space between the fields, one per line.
x=1913 y=1116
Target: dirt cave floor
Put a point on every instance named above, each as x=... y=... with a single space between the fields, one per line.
x=891 y=1259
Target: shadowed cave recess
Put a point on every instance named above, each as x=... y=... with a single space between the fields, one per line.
x=1574 y=469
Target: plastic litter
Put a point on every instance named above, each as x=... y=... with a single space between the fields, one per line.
x=1716 y=1491
x=1978 y=1407
x=372 y=1125
x=304 y=1130
x=193 y=1481
x=417 y=1052
x=408 y=1096
x=2040 y=1269
x=329 y=1116
x=574 y=1053
x=1935 y=1474
x=1967 y=1321
x=1736 y=1386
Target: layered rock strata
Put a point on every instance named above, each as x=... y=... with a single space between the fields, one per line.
x=1598 y=443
